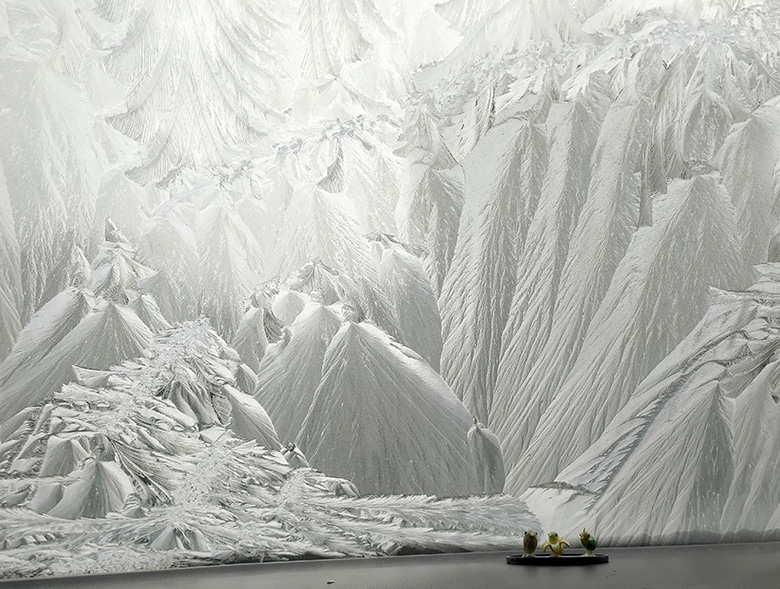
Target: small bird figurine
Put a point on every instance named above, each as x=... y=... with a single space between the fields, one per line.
x=588 y=541
x=530 y=541
x=555 y=544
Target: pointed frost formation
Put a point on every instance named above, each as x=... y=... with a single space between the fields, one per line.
x=657 y=294
x=754 y=492
x=291 y=370
x=51 y=160
x=63 y=455
x=287 y=305
x=230 y=266
x=678 y=421
x=617 y=12
x=249 y=420
x=169 y=246
x=488 y=460
x=99 y=488
x=322 y=227
x=406 y=284
x=748 y=161
x=539 y=354
x=503 y=182
x=115 y=270
x=405 y=432
x=703 y=464
x=370 y=182
x=72 y=269
x=246 y=379
x=250 y=340
x=10 y=325
x=10 y=274
x=431 y=200
x=462 y=13
x=706 y=118
x=47 y=327
x=188 y=101
x=9 y=244
x=103 y=338
x=124 y=201
x=338 y=32
x=508 y=26
x=574 y=130
x=147 y=310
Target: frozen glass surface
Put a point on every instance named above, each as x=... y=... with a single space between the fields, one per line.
x=295 y=278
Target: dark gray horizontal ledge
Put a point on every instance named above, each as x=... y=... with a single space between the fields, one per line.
x=751 y=566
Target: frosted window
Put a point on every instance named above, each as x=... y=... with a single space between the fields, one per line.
x=368 y=277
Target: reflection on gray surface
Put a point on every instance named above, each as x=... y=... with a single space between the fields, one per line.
x=744 y=565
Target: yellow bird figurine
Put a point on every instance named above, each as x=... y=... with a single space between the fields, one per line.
x=530 y=541
x=555 y=544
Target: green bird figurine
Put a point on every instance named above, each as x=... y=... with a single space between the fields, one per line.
x=530 y=541
x=555 y=543
x=588 y=541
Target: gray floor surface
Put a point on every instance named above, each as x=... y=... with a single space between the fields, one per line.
x=746 y=566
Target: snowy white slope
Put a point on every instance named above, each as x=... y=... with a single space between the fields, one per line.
x=52 y=164
x=187 y=100
x=431 y=201
x=657 y=295
x=705 y=115
x=748 y=160
x=574 y=129
x=147 y=310
x=10 y=325
x=508 y=26
x=535 y=364
x=398 y=425
x=291 y=370
x=504 y=177
x=10 y=274
x=370 y=182
x=287 y=305
x=319 y=225
x=250 y=340
x=116 y=272
x=249 y=420
x=619 y=12
x=754 y=495
x=125 y=202
x=322 y=227
x=47 y=327
x=677 y=421
x=72 y=269
x=488 y=460
x=406 y=284
x=10 y=254
x=338 y=32
x=428 y=215
x=107 y=336
x=169 y=246
x=230 y=266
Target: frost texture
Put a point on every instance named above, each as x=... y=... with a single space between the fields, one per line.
x=717 y=384
x=636 y=326
x=503 y=184
x=406 y=432
x=456 y=247
x=574 y=129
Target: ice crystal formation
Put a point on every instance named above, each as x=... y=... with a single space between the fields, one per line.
x=289 y=278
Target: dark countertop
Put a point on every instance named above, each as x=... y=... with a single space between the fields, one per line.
x=749 y=566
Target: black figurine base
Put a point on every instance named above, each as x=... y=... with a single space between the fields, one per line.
x=547 y=560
